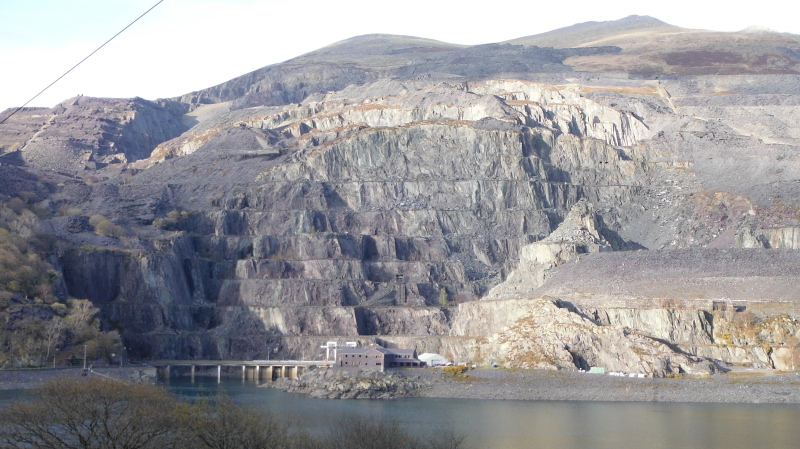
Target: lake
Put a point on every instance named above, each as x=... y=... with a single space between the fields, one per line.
x=537 y=424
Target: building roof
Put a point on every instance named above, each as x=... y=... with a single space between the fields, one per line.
x=404 y=351
x=378 y=349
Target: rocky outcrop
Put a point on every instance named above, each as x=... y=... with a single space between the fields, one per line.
x=577 y=234
x=537 y=333
x=510 y=326
x=677 y=326
x=787 y=237
x=83 y=134
x=341 y=384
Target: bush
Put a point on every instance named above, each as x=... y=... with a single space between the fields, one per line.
x=68 y=211
x=454 y=370
x=17 y=205
x=443 y=300
x=105 y=227
x=172 y=221
x=95 y=219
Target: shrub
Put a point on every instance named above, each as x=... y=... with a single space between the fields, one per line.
x=105 y=227
x=95 y=219
x=17 y=205
x=454 y=370
x=68 y=211
x=171 y=221
x=443 y=302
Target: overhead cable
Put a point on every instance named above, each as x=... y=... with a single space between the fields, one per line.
x=81 y=62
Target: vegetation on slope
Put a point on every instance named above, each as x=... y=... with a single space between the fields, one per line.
x=38 y=326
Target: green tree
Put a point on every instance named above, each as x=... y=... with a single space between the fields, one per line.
x=443 y=302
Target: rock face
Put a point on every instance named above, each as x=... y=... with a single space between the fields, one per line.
x=549 y=337
x=503 y=202
x=84 y=134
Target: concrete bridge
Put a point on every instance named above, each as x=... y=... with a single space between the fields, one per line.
x=260 y=370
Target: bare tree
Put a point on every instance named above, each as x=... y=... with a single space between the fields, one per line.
x=221 y=424
x=81 y=317
x=69 y=413
x=90 y=413
x=53 y=333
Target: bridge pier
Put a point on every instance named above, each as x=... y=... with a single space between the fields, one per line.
x=258 y=370
x=267 y=375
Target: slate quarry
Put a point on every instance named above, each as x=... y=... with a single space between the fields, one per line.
x=409 y=192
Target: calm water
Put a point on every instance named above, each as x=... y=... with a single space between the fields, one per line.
x=529 y=424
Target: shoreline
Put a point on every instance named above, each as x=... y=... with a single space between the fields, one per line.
x=541 y=385
x=27 y=379
x=520 y=385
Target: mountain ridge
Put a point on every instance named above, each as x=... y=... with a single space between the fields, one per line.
x=581 y=33
x=382 y=188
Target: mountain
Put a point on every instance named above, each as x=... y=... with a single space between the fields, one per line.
x=653 y=49
x=595 y=195
x=581 y=34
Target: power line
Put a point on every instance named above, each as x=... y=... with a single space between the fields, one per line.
x=81 y=62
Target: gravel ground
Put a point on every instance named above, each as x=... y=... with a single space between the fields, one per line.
x=23 y=379
x=573 y=386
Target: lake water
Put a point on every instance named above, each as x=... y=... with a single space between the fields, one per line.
x=538 y=424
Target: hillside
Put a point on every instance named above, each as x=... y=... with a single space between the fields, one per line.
x=461 y=200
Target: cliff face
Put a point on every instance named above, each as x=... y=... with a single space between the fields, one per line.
x=379 y=223
x=83 y=134
x=463 y=203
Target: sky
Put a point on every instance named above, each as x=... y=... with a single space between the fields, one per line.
x=186 y=45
